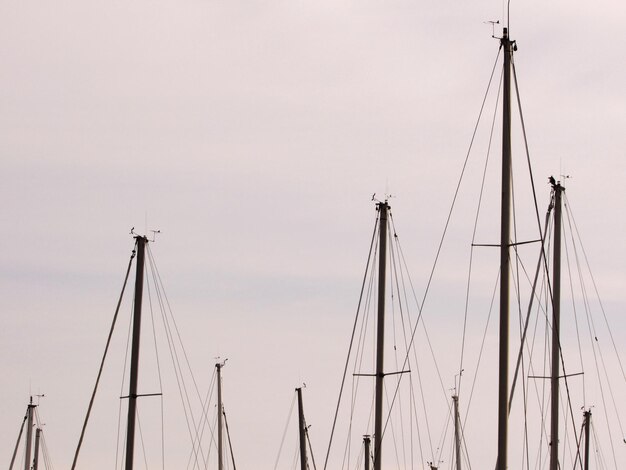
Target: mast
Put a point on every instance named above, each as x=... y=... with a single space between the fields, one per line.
x=587 y=415
x=505 y=231
x=36 y=458
x=220 y=447
x=383 y=207
x=366 y=451
x=556 y=320
x=29 y=434
x=134 y=361
x=457 y=431
x=301 y=430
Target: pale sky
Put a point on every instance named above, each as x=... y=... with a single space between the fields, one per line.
x=253 y=134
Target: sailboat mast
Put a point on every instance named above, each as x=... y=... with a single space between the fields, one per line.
x=29 y=434
x=587 y=415
x=220 y=446
x=556 y=321
x=36 y=458
x=134 y=361
x=301 y=430
x=457 y=431
x=366 y=451
x=505 y=231
x=383 y=207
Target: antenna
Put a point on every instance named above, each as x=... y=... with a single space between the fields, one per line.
x=493 y=27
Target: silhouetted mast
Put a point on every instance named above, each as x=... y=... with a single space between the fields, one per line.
x=587 y=415
x=457 y=431
x=301 y=430
x=220 y=445
x=556 y=320
x=134 y=361
x=36 y=458
x=383 y=207
x=29 y=433
x=505 y=237
x=366 y=451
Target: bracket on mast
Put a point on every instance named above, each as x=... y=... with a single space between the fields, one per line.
x=136 y=235
x=493 y=27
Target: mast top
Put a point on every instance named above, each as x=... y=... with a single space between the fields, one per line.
x=506 y=41
x=219 y=364
x=381 y=204
x=555 y=184
x=144 y=237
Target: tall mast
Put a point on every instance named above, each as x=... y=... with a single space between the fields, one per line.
x=36 y=458
x=457 y=431
x=220 y=408
x=134 y=360
x=383 y=207
x=505 y=231
x=29 y=434
x=587 y=415
x=301 y=430
x=366 y=451
x=556 y=321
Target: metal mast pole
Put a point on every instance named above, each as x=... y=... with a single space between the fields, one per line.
x=36 y=458
x=457 y=431
x=134 y=361
x=220 y=447
x=556 y=320
x=29 y=434
x=366 y=451
x=301 y=430
x=383 y=207
x=505 y=237
x=587 y=415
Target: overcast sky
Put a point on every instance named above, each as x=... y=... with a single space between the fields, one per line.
x=253 y=134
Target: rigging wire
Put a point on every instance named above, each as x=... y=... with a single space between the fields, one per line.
x=156 y=352
x=575 y=311
x=478 y=207
x=350 y=347
x=143 y=445
x=308 y=439
x=394 y=280
x=593 y=280
x=530 y=168
x=167 y=309
x=408 y=345
x=171 y=342
x=442 y=239
x=204 y=420
x=596 y=346
x=119 y=411
x=430 y=277
x=106 y=349
x=360 y=355
x=230 y=444
x=412 y=409
x=19 y=437
x=282 y=440
x=515 y=273
x=445 y=229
